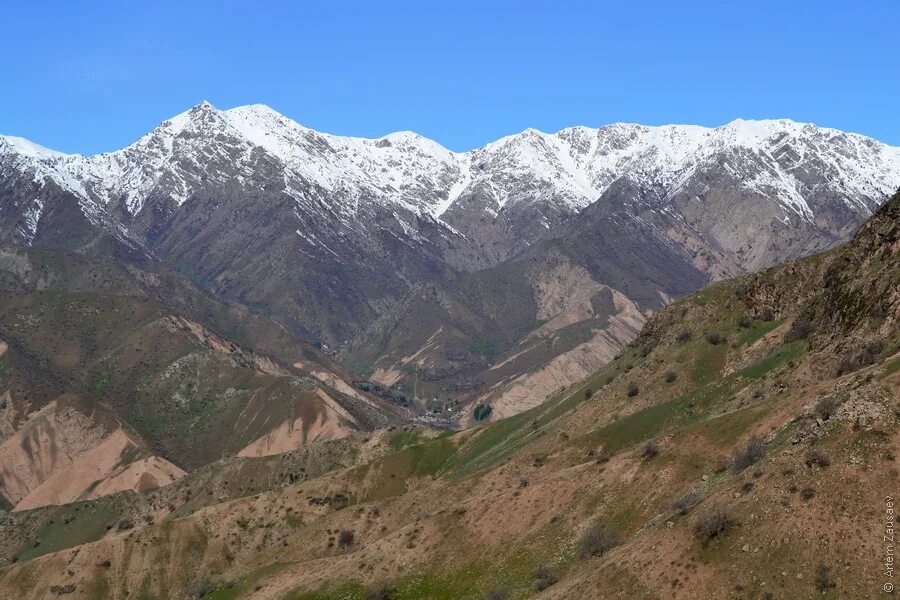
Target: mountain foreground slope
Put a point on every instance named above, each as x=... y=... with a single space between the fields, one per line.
x=743 y=445
x=569 y=239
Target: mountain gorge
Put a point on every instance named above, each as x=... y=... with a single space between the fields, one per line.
x=492 y=276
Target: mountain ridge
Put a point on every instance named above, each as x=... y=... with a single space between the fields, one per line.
x=333 y=236
x=257 y=122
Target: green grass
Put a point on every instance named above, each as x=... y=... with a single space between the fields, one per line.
x=709 y=361
x=782 y=355
x=392 y=471
x=89 y=524
x=471 y=582
x=243 y=587
x=485 y=348
x=492 y=444
x=757 y=330
x=403 y=438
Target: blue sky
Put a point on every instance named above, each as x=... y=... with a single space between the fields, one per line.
x=94 y=78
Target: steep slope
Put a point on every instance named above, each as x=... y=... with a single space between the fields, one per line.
x=110 y=378
x=706 y=451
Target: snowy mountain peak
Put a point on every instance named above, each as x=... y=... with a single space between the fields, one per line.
x=11 y=144
x=567 y=170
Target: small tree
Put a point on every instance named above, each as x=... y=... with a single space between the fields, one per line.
x=346 y=538
x=686 y=502
x=827 y=407
x=817 y=458
x=543 y=577
x=649 y=450
x=713 y=523
x=670 y=376
x=633 y=390
x=483 y=411
x=824 y=582
x=597 y=540
x=588 y=392
x=715 y=338
x=751 y=454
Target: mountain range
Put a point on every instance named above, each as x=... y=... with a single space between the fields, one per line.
x=491 y=277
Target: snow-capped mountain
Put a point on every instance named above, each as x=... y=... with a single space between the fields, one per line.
x=569 y=169
x=256 y=206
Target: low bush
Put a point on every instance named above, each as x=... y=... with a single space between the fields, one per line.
x=543 y=577
x=715 y=338
x=824 y=582
x=633 y=390
x=817 y=458
x=712 y=523
x=598 y=540
x=684 y=503
x=685 y=336
x=752 y=453
x=670 y=376
x=346 y=538
x=649 y=450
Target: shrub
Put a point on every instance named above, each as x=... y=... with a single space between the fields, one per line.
x=670 y=376
x=747 y=487
x=807 y=493
x=588 y=393
x=598 y=540
x=713 y=523
x=751 y=454
x=684 y=503
x=685 y=336
x=125 y=524
x=497 y=593
x=483 y=411
x=767 y=314
x=823 y=578
x=715 y=338
x=346 y=538
x=827 y=407
x=633 y=390
x=745 y=322
x=650 y=449
x=543 y=577
x=817 y=458
x=61 y=590
x=380 y=591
